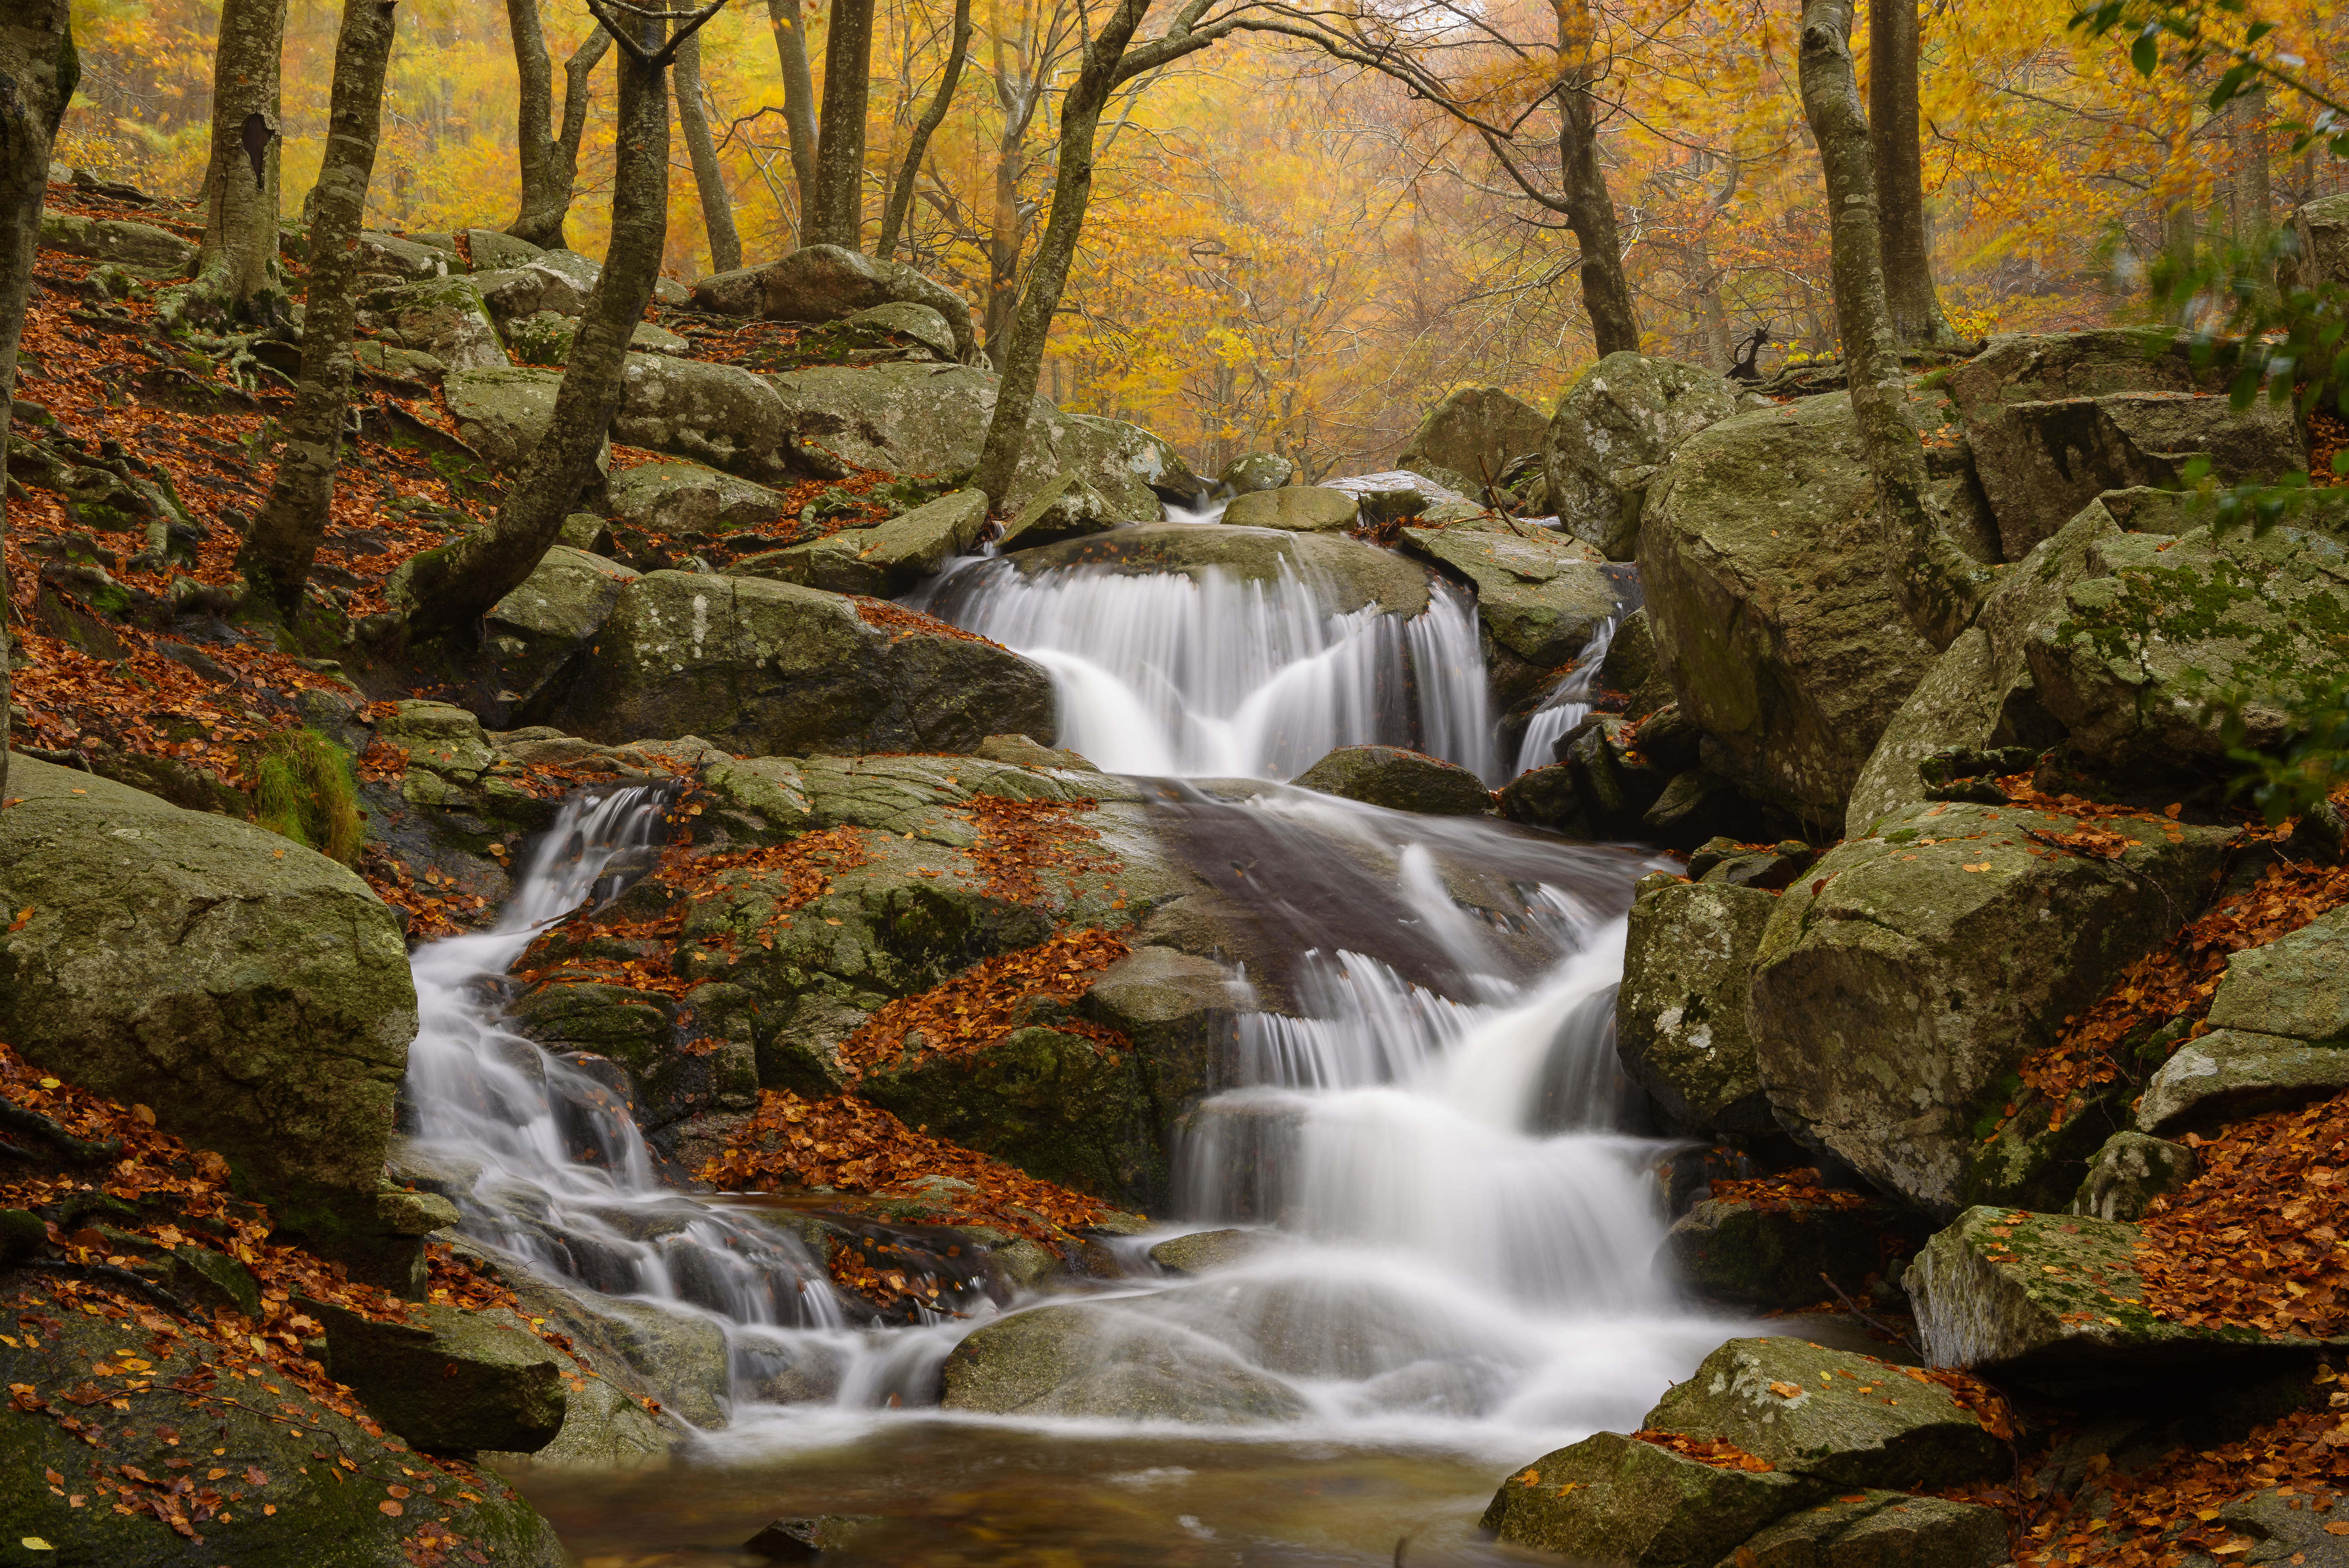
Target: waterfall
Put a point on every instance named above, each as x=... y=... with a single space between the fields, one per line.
x=1566 y=705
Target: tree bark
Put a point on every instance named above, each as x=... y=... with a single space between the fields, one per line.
x=39 y=70
x=1589 y=207
x=693 y=119
x=901 y=195
x=1022 y=357
x=284 y=540
x=2247 y=129
x=838 y=217
x=1940 y=586
x=461 y=581
x=549 y=158
x=1894 y=126
x=237 y=276
x=799 y=100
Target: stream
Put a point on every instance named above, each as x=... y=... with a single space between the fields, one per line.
x=1455 y=1217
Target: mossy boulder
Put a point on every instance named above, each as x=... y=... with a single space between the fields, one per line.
x=1543 y=597
x=534 y=635
x=1614 y=429
x=690 y=502
x=503 y=410
x=761 y=667
x=1878 y=1528
x=444 y=318
x=2227 y=1074
x=253 y=992
x=1399 y=778
x=1680 y=1014
x=886 y=559
x=1476 y=432
x=1771 y=1256
x=1615 y=1501
x=118 y=240
x=827 y=282
x=2297 y=984
x=1295 y=509
x=1256 y=471
x=1900 y=982
x=710 y=412
x=449 y=1380
x=1098 y=1361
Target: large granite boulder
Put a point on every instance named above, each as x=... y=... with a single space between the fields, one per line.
x=532 y=635
x=689 y=503
x=254 y=994
x=886 y=559
x=1097 y=1361
x=1769 y=587
x=1905 y=976
x=1614 y=428
x=444 y=318
x=116 y=240
x=451 y=1380
x=1779 y=1254
x=1476 y=432
x=1680 y=1014
x=828 y=283
x=2227 y=1074
x=503 y=411
x=760 y=667
x=1297 y=508
x=1617 y=1501
x=1399 y=778
x=721 y=414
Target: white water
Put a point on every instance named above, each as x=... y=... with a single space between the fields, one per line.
x=1567 y=705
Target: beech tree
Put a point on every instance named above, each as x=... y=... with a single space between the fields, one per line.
x=799 y=100
x=284 y=540
x=836 y=217
x=237 y=277
x=549 y=156
x=458 y=582
x=38 y=71
x=709 y=181
x=1893 y=45
x=917 y=145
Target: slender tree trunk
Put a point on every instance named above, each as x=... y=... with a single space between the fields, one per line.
x=901 y=195
x=838 y=217
x=1589 y=207
x=1020 y=361
x=799 y=102
x=2247 y=127
x=277 y=552
x=38 y=71
x=461 y=580
x=236 y=266
x=1941 y=587
x=693 y=119
x=549 y=158
x=1894 y=127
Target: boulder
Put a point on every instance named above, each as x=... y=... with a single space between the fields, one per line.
x=116 y=240
x=1906 y=976
x=1680 y=1014
x=1067 y=507
x=1121 y=461
x=444 y=318
x=1400 y=779
x=2297 y=984
x=2322 y=257
x=1088 y=1360
x=721 y=414
x=760 y=667
x=1346 y=574
x=448 y=1379
x=1300 y=509
x=1878 y=1528
x=1620 y=1502
x=2227 y=1074
x=402 y=258
x=1848 y=1419
x=904 y=318
x=1768 y=584
x=254 y=992
x=826 y=283
x=491 y=249
x=887 y=560
x=1476 y=432
x=1397 y=492
x=503 y=412
x=1614 y=428
x=1542 y=598
x=1256 y=471
x=1771 y=1257
x=2128 y=1172
x=1204 y=1251
x=279 y=1506
x=532 y=635
x=690 y=502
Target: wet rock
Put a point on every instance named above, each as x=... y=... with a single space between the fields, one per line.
x=1847 y=1418
x=261 y=984
x=1398 y=492
x=1350 y=574
x=1547 y=797
x=1024 y=751
x=2128 y=1172
x=1880 y=1529
x=535 y=633
x=806 y=1540
x=1542 y=598
x=887 y=560
x=1614 y=428
x=2227 y=1074
x=1067 y=507
x=1295 y=509
x=1180 y=1011
x=450 y=1380
x=632 y=1027
x=1258 y=472
x=1401 y=779
x=1207 y=1251
x=116 y=240
x=761 y=667
x=1476 y=432
x=1615 y=1501
x=1907 y=974
x=1096 y=1361
x=1773 y=1256
x=1680 y=1014
x=1769 y=588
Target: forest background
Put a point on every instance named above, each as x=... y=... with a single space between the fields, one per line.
x=1288 y=254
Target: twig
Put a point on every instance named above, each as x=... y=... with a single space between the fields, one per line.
x=80 y=1151
x=121 y=1279
x=1873 y=1322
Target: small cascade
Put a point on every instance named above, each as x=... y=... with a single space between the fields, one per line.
x=1567 y=704
x=1172 y=677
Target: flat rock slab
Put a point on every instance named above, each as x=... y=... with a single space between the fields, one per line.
x=886 y=559
x=2229 y=1074
x=2297 y=984
x=1206 y=1250
x=450 y=1380
x=1297 y=509
x=2053 y=1297
x=1848 y=1419
x=1614 y=1499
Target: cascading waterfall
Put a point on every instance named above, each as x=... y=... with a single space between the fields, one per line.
x=1567 y=704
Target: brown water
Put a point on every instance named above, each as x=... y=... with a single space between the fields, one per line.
x=945 y=1495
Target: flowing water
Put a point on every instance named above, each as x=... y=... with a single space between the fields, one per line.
x=1454 y=1208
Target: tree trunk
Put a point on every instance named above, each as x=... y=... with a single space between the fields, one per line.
x=549 y=158
x=1941 y=587
x=461 y=580
x=1589 y=208
x=693 y=119
x=1020 y=359
x=236 y=267
x=901 y=195
x=1899 y=165
x=799 y=100
x=2247 y=127
x=278 y=551
x=838 y=217
x=37 y=73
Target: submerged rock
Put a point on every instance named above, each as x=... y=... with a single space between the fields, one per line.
x=1399 y=778
x=1206 y=1251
